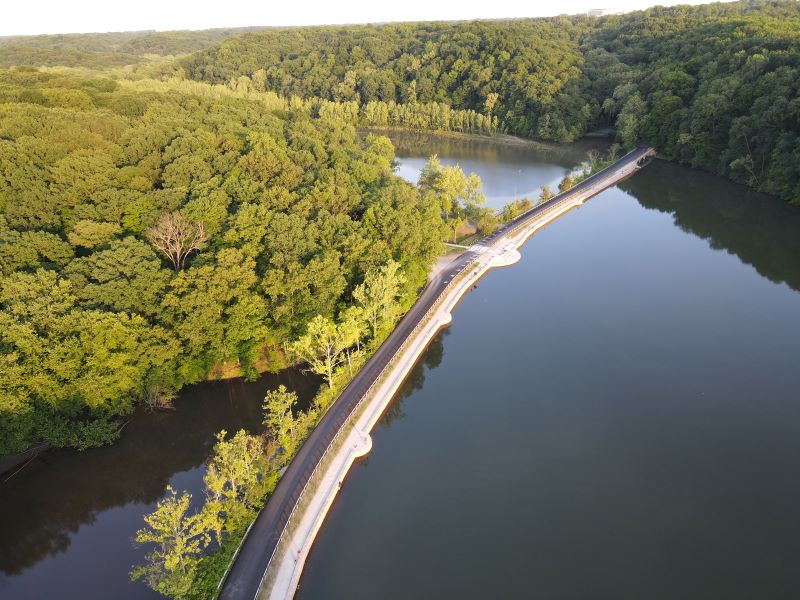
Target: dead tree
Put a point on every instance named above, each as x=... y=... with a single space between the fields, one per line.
x=176 y=237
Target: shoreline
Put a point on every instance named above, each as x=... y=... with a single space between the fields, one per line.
x=226 y=371
x=508 y=139
x=357 y=441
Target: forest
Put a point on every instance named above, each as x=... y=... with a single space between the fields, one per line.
x=107 y=50
x=526 y=71
x=149 y=236
x=155 y=234
x=713 y=86
x=175 y=204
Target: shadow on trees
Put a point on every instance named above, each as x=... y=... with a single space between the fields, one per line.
x=43 y=506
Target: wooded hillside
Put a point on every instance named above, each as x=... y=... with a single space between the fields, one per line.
x=151 y=229
x=713 y=86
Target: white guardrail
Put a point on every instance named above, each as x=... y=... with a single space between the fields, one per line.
x=556 y=202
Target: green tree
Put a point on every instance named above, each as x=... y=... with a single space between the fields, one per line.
x=515 y=208
x=180 y=539
x=629 y=120
x=377 y=296
x=323 y=346
x=237 y=479
x=31 y=249
x=567 y=183
x=88 y=233
x=67 y=363
x=215 y=312
x=459 y=196
x=126 y=277
x=279 y=419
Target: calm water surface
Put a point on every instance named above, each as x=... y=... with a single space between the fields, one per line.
x=616 y=416
x=67 y=520
x=508 y=170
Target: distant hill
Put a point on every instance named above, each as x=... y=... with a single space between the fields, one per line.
x=107 y=50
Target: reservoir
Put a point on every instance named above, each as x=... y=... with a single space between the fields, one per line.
x=615 y=416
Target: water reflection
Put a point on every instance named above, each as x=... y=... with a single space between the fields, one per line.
x=511 y=153
x=44 y=506
x=760 y=230
x=509 y=170
x=415 y=381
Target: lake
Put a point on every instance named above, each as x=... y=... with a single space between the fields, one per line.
x=615 y=416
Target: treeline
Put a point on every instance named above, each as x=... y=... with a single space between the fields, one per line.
x=106 y=50
x=524 y=71
x=712 y=86
x=148 y=234
x=423 y=116
x=420 y=116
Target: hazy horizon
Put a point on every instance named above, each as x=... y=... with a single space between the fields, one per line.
x=91 y=16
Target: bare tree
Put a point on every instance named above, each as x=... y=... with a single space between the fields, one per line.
x=176 y=237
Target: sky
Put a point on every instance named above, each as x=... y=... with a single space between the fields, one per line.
x=28 y=17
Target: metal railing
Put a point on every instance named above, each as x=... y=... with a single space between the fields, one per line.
x=409 y=337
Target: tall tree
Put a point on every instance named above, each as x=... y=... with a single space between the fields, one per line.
x=323 y=346
x=279 y=419
x=378 y=295
x=236 y=478
x=180 y=539
x=460 y=196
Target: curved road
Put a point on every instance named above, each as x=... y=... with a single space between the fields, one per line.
x=244 y=578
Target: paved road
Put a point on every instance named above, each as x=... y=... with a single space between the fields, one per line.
x=245 y=576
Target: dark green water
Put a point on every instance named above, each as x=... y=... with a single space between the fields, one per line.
x=616 y=416
x=67 y=520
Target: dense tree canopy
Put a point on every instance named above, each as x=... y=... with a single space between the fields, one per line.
x=103 y=50
x=524 y=70
x=151 y=229
x=713 y=86
x=146 y=236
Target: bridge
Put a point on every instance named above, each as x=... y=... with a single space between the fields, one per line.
x=269 y=562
